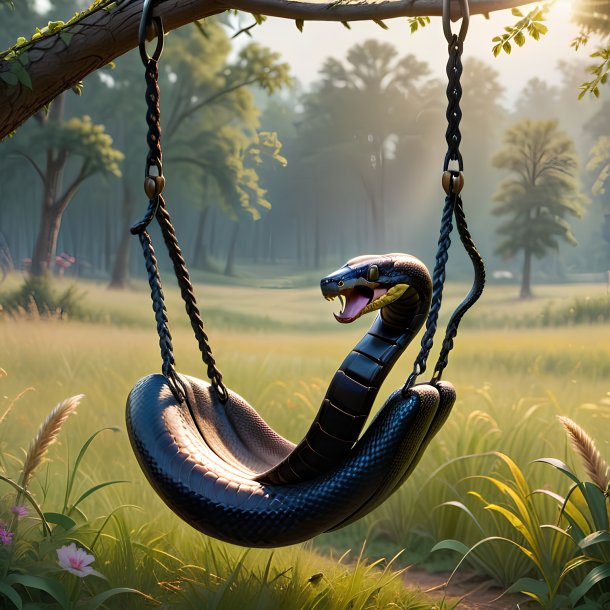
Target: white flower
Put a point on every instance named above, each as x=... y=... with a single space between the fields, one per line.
x=76 y=561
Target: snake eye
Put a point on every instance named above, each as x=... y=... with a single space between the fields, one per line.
x=372 y=275
x=340 y=283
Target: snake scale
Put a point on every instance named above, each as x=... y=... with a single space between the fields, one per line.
x=229 y=475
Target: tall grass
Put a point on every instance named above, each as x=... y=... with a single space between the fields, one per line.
x=511 y=385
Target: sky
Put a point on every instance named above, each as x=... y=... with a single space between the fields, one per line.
x=306 y=51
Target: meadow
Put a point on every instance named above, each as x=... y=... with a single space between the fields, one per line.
x=278 y=347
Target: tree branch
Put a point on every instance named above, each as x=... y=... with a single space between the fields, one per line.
x=109 y=33
x=33 y=164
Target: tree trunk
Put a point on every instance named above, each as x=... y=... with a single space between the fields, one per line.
x=230 y=266
x=201 y=258
x=46 y=242
x=120 y=270
x=526 y=276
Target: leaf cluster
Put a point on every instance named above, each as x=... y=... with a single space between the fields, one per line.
x=80 y=137
x=531 y=24
x=557 y=552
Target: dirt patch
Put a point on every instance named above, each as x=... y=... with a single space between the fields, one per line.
x=474 y=591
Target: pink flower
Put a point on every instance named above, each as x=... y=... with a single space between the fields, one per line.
x=6 y=537
x=76 y=561
x=20 y=511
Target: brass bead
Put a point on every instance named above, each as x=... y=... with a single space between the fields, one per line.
x=458 y=182
x=153 y=185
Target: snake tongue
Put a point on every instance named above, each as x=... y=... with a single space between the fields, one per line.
x=355 y=302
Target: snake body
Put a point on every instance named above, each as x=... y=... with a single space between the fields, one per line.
x=228 y=474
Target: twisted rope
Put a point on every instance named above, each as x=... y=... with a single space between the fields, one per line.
x=153 y=185
x=154 y=157
x=188 y=296
x=454 y=70
x=453 y=206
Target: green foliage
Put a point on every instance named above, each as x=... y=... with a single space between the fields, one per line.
x=54 y=28
x=416 y=23
x=29 y=571
x=216 y=116
x=80 y=137
x=542 y=190
x=600 y=73
x=532 y=24
x=569 y=557
x=37 y=297
x=599 y=164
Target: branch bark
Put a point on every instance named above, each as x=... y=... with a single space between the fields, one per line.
x=107 y=34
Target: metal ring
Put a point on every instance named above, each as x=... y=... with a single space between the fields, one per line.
x=465 y=13
x=145 y=19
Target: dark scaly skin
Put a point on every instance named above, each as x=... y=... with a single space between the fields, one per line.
x=204 y=459
x=354 y=387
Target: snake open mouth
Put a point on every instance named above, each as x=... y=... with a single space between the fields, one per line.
x=360 y=300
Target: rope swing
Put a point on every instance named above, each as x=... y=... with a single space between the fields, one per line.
x=210 y=456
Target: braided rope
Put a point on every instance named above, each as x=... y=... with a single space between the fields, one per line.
x=471 y=298
x=158 y=305
x=453 y=136
x=157 y=209
x=188 y=296
x=453 y=206
x=154 y=157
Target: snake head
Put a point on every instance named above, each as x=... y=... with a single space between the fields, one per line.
x=366 y=283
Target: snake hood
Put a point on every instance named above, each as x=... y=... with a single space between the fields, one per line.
x=370 y=282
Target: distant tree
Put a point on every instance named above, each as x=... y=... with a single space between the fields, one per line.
x=211 y=119
x=365 y=102
x=599 y=165
x=538 y=100
x=541 y=191
x=62 y=151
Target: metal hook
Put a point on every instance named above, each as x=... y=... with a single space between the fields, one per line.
x=145 y=19
x=465 y=14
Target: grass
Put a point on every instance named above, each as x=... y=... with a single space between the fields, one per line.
x=279 y=349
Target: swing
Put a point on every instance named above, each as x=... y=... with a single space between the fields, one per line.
x=210 y=456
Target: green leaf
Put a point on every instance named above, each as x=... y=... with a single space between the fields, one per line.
x=590 y=543
x=61 y=520
x=516 y=12
x=519 y=39
x=451 y=545
x=10 y=78
x=92 y=490
x=596 y=501
x=101 y=598
x=24 y=78
x=597 y=574
x=299 y=23
x=561 y=466
x=51 y=586
x=345 y=24
x=506 y=47
x=24 y=58
x=66 y=37
x=381 y=24
x=11 y=594
x=496 y=50
x=87 y=443
x=530 y=585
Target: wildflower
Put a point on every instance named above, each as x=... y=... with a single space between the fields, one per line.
x=20 y=511
x=76 y=561
x=6 y=537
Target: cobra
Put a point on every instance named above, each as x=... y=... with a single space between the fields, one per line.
x=227 y=473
